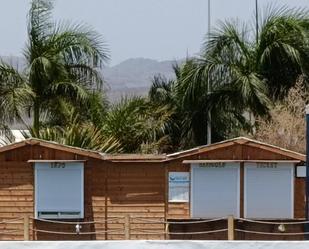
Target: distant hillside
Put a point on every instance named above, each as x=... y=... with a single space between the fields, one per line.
x=133 y=76
x=130 y=77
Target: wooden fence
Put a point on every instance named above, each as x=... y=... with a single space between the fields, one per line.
x=230 y=228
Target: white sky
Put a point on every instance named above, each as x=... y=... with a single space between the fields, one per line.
x=157 y=29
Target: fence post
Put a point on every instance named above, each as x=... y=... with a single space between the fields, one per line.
x=127 y=227
x=230 y=228
x=167 y=228
x=26 y=227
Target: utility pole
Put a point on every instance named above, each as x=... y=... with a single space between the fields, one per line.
x=209 y=83
x=209 y=17
x=307 y=162
x=307 y=173
x=257 y=20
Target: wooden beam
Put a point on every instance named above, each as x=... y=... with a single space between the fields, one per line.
x=278 y=150
x=26 y=227
x=56 y=161
x=74 y=150
x=230 y=228
x=13 y=146
x=242 y=189
x=127 y=227
x=240 y=161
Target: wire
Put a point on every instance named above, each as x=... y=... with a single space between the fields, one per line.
x=266 y=233
x=74 y=233
x=179 y=233
x=177 y=222
x=274 y=223
x=195 y=222
x=76 y=222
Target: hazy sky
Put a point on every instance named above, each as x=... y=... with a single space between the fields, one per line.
x=157 y=29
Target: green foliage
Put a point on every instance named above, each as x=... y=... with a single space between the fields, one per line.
x=237 y=75
x=62 y=62
x=164 y=95
x=187 y=124
x=79 y=134
x=134 y=122
x=282 y=51
x=14 y=94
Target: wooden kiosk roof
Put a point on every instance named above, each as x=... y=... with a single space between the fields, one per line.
x=291 y=155
x=239 y=141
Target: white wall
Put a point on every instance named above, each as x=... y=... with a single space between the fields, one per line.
x=155 y=244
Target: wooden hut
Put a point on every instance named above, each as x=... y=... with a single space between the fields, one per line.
x=54 y=192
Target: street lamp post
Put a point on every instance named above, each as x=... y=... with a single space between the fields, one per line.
x=307 y=162
x=257 y=20
x=306 y=227
x=209 y=83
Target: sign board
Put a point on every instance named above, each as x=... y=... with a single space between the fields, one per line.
x=213 y=165
x=179 y=183
x=267 y=165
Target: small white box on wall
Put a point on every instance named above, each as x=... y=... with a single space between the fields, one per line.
x=301 y=171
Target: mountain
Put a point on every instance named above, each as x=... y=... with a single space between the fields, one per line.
x=133 y=76
x=130 y=77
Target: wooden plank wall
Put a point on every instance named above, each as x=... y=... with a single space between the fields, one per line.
x=137 y=190
x=112 y=191
x=16 y=192
x=235 y=152
x=16 y=197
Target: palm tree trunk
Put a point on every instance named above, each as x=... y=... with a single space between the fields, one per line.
x=36 y=118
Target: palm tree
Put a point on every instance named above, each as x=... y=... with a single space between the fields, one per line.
x=245 y=74
x=186 y=126
x=78 y=133
x=13 y=94
x=61 y=66
x=137 y=124
x=276 y=59
x=195 y=105
x=282 y=52
x=164 y=95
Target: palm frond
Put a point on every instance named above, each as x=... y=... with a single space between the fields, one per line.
x=39 y=26
x=15 y=94
x=79 y=134
x=78 y=44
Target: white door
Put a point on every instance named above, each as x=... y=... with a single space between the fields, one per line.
x=215 y=190
x=59 y=190
x=269 y=190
